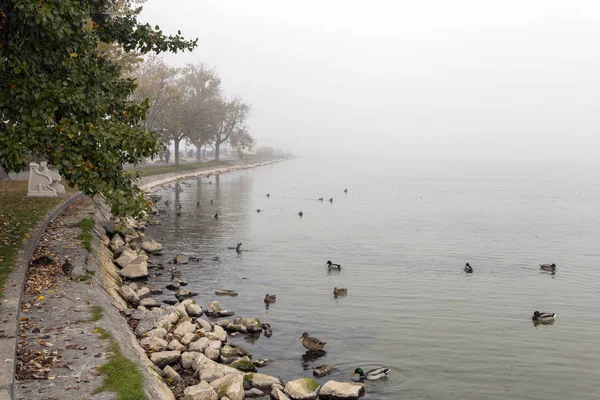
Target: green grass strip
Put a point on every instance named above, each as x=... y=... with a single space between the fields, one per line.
x=86 y=225
x=187 y=166
x=122 y=375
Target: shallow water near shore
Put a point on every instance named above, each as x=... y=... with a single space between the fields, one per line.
x=402 y=234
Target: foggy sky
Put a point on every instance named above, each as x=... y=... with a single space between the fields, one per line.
x=419 y=78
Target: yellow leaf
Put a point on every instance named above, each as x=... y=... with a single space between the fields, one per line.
x=73 y=55
x=50 y=378
x=96 y=330
x=41 y=298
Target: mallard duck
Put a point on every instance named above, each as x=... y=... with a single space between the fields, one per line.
x=217 y=216
x=268 y=195
x=373 y=374
x=331 y=200
x=238 y=248
x=332 y=265
x=300 y=213
x=339 y=291
x=258 y=210
x=543 y=316
x=197 y=204
x=312 y=343
x=345 y=190
x=548 y=267
x=468 y=269
x=270 y=298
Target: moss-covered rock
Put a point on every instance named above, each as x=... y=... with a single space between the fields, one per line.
x=244 y=364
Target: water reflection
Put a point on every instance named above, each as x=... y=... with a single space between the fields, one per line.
x=311 y=356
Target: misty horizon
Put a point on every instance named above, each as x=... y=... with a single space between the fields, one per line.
x=425 y=80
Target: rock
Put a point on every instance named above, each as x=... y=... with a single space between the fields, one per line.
x=201 y=391
x=181 y=259
x=302 y=389
x=171 y=374
x=143 y=293
x=334 y=390
x=150 y=245
x=231 y=386
x=155 y=290
x=173 y=286
x=193 y=310
x=175 y=345
x=116 y=243
x=234 y=351
x=218 y=333
x=223 y=323
x=184 y=327
x=129 y=295
x=226 y=292
x=263 y=382
x=261 y=362
x=236 y=328
x=127 y=256
x=133 y=285
x=154 y=343
x=110 y=228
x=187 y=359
x=170 y=301
x=251 y=324
x=244 y=364
x=187 y=301
x=322 y=370
x=180 y=309
x=209 y=370
x=225 y=313
x=254 y=393
x=204 y=324
x=182 y=282
x=199 y=345
x=149 y=302
x=277 y=394
x=188 y=338
x=157 y=332
x=184 y=294
x=212 y=353
x=213 y=309
x=136 y=269
x=163 y=358
x=148 y=320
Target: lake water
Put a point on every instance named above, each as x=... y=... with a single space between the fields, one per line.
x=402 y=234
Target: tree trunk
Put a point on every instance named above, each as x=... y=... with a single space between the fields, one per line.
x=198 y=153
x=3 y=175
x=176 y=151
x=217 y=146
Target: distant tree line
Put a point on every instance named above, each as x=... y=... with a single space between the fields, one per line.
x=188 y=103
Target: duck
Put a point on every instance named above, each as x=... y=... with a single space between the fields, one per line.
x=67 y=267
x=339 y=291
x=468 y=269
x=197 y=204
x=320 y=199
x=312 y=343
x=238 y=247
x=543 y=316
x=300 y=213
x=217 y=216
x=258 y=210
x=211 y=202
x=331 y=200
x=268 y=195
x=548 y=267
x=345 y=190
x=270 y=298
x=332 y=265
x=175 y=273
x=373 y=374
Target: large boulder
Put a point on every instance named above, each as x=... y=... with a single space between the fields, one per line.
x=322 y=370
x=187 y=359
x=157 y=332
x=136 y=269
x=175 y=345
x=171 y=374
x=226 y=292
x=218 y=333
x=302 y=389
x=193 y=310
x=262 y=381
x=184 y=327
x=201 y=391
x=150 y=245
x=334 y=390
x=129 y=295
x=251 y=324
x=144 y=292
x=208 y=370
x=163 y=358
x=244 y=364
x=204 y=324
x=277 y=394
x=154 y=343
x=199 y=345
x=213 y=309
x=149 y=302
x=183 y=294
x=211 y=353
x=231 y=386
x=116 y=243
x=127 y=256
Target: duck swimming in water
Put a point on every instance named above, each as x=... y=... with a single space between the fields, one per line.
x=332 y=265
x=300 y=213
x=258 y=210
x=312 y=343
x=217 y=216
x=345 y=190
x=548 y=267
x=373 y=374
x=238 y=247
x=268 y=195
x=468 y=269
x=320 y=199
x=331 y=200
x=270 y=298
x=339 y=291
x=543 y=316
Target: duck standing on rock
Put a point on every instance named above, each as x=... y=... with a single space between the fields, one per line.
x=270 y=298
x=334 y=266
x=468 y=269
x=373 y=374
x=312 y=343
x=340 y=291
x=548 y=267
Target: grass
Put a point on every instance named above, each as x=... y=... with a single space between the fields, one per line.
x=188 y=166
x=96 y=313
x=122 y=375
x=18 y=214
x=86 y=225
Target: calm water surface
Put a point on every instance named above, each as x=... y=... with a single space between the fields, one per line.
x=402 y=234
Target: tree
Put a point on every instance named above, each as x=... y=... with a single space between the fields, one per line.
x=230 y=120
x=64 y=99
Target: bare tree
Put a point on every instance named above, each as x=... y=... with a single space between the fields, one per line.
x=230 y=121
